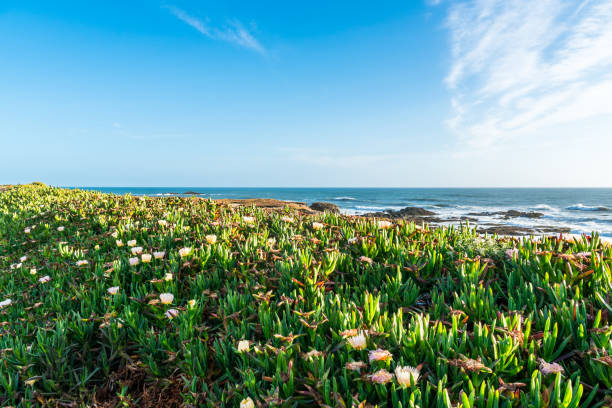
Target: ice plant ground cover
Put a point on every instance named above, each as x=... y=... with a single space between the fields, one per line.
x=282 y=309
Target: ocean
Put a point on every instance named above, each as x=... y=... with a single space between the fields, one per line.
x=582 y=210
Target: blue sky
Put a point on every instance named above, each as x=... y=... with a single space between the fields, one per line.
x=359 y=93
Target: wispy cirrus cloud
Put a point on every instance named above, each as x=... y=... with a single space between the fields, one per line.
x=520 y=66
x=233 y=31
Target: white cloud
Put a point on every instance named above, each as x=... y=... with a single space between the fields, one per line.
x=233 y=32
x=521 y=66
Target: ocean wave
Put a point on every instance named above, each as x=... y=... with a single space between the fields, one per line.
x=344 y=198
x=544 y=207
x=582 y=207
x=377 y=208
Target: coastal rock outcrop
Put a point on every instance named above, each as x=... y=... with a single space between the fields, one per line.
x=325 y=207
x=267 y=203
x=509 y=214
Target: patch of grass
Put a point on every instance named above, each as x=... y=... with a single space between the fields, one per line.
x=130 y=301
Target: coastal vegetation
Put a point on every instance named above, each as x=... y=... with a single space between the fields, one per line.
x=110 y=300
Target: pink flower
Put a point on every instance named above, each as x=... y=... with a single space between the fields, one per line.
x=512 y=253
x=381 y=377
x=380 y=355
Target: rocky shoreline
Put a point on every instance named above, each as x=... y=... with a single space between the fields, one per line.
x=415 y=214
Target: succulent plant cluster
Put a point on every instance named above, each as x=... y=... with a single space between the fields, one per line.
x=124 y=300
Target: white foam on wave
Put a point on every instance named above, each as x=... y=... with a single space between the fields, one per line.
x=344 y=198
x=544 y=207
x=582 y=207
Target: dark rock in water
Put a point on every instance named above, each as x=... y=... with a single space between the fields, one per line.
x=191 y=192
x=514 y=213
x=414 y=214
x=514 y=230
x=510 y=214
x=505 y=230
x=326 y=207
x=470 y=219
x=546 y=229
x=413 y=211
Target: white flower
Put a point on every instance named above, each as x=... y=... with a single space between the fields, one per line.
x=211 y=239
x=358 y=342
x=33 y=271
x=45 y=279
x=382 y=224
x=381 y=377
x=115 y=234
x=171 y=313
x=82 y=262
x=5 y=303
x=192 y=303
x=183 y=252
x=16 y=265
x=380 y=355
x=404 y=374
x=27 y=230
x=113 y=290
x=60 y=228
x=317 y=225
x=248 y=220
x=159 y=255
x=162 y=223
x=287 y=219
x=23 y=258
x=168 y=277
x=134 y=261
x=166 y=298
x=352 y=240
x=119 y=243
x=131 y=242
x=136 y=250
x=247 y=403
x=146 y=258
x=243 y=346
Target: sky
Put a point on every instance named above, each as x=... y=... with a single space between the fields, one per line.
x=420 y=93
